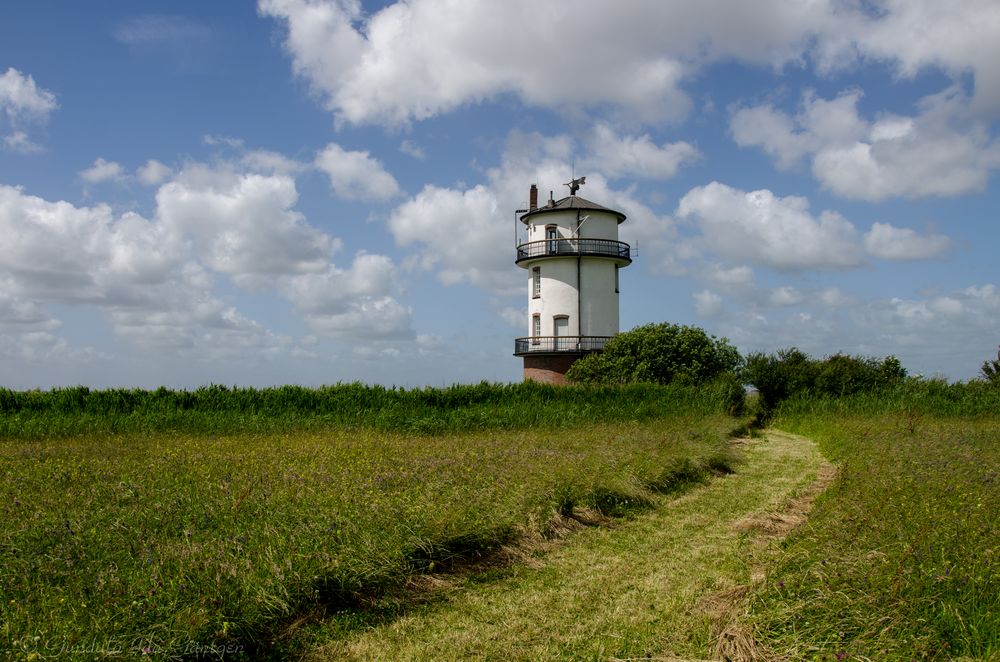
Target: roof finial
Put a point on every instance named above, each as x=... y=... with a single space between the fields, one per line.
x=575 y=185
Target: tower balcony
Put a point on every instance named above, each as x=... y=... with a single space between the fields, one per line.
x=618 y=251
x=537 y=345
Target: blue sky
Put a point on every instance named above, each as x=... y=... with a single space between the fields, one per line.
x=320 y=191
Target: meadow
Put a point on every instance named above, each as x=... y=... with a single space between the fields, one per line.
x=901 y=557
x=187 y=524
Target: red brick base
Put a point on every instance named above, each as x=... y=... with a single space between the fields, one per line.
x=549 y=369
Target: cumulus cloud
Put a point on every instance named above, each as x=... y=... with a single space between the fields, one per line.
x=914 y=35
x=23 y=101
x=353 y=301
x=137 y=270
x=892 y=243
x=707 y=303
x=461 y=232
x=22 y=98
x=356 y=175
x=103 y=171
x=636 y=156
x=411 y=148
x=396 y=65
x=243 y=224
x=934 y=153
x=153 y=172
x=18 y=141
x=154 y=277
x=785 y=296
x=777 y=232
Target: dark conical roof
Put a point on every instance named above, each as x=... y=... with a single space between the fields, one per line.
x=572 y=202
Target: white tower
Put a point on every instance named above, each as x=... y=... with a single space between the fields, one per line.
x=572 y=255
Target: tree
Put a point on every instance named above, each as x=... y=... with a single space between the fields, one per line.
x=991 y=370
x=658 y=353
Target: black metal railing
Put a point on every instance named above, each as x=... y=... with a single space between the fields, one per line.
x=563 y=247
x=555 y=344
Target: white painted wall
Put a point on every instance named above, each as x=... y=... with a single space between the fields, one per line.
x=595 y=311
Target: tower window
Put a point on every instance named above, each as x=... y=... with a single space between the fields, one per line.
x=552 y=238
x=536 y=328
x=616 y=278
x=536 y=282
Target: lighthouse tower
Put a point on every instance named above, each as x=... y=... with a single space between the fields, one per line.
x=572 y=256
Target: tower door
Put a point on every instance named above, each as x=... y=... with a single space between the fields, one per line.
x=560 y=331
x=552 y=237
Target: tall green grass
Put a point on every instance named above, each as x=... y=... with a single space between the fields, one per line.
x=175 y=544
x=219 y=409
x=901 y=557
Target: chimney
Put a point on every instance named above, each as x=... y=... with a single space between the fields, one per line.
x=533 y=198
x=552 y=201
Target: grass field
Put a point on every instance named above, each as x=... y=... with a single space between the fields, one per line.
x=210 y=523
x=181 y=543
x=901 y=557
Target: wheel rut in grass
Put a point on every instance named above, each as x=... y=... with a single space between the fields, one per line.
x=665 y=584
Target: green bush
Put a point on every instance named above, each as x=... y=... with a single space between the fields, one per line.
x=791 y=372
x=659 y=354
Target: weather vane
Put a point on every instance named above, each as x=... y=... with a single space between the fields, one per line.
x=575 y=185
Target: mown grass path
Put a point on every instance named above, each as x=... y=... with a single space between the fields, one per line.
x=649 y=586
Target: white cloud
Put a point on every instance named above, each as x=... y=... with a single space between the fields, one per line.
x=243 y=224
x=158 y=29
x=515 y=317
x=153 y=278
x=916 y=35
x=731 y=278
x=354 y=301
x=773 y=231
x=410 y=148
x=356 y=175
x=785 y=296
x=222 y=141
x=266 y=162
x=708 y=304
x=18 y=141
x=103 y=171
x=138 y=271
x=935 y=153
x=636 y=156
x=460 y=234
x=397 y=65
x=21 y=98
x=153 y=173
x=892 y=243
x=378 y=318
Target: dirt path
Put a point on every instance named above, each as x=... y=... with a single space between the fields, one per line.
x=659 y=586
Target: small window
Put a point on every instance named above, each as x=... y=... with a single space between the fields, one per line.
x=536 y=282
x=616 y=278
x=536 y=328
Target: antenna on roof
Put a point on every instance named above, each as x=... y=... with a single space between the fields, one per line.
x=575 y=185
